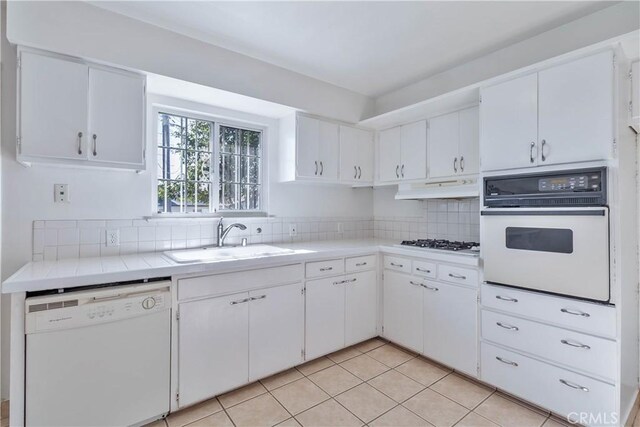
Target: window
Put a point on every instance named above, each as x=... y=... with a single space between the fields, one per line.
x=189 y=149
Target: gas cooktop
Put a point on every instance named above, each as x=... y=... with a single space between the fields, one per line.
x=445 y=245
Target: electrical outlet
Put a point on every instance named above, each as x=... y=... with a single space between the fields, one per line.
x=113 y=237
x=61 y=193
x=340 y=228
x=293 y=230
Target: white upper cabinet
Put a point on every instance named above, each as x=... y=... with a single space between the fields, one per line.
x=356 y=155
x=53 y=107
x=402 y=152
x=635 y=96
x=562 y=114
x=453 y=144
x=509 y=124
x=69 y=110
x=575 y=110
x=116 y=117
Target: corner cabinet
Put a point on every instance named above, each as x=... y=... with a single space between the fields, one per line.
x=77 y=113
x=562 y=114
x=356 y=156
x=403 y=153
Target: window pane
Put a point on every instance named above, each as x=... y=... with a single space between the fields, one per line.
x=170 y=196
x=172 y=129
x=204 y=189
x=229 y=196
x=250 y=197
x=198 y=134
x=228 y=170
x=204 y=167
x=250 y=170
x=250 y=143
x=170 y=163
x=228 y=139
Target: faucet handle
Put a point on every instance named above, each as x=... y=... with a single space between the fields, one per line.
x=220 y=220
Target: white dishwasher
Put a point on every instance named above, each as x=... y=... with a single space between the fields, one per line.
x=98 y=357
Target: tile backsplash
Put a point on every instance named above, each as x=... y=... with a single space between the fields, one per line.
x=53 y=240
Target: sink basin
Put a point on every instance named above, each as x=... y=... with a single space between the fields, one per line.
x=226 y=253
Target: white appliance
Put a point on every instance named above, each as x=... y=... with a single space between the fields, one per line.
x=548 y=232
x=98 y=357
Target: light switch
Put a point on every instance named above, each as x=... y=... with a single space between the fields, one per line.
x=61 y=193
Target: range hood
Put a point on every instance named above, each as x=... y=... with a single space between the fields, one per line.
x=455 y=189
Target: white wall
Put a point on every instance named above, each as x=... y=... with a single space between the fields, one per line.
x=80 y=29
x=602 y=25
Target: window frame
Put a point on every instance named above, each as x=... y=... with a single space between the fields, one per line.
x=214 y=202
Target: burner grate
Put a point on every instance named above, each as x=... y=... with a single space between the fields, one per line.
x=441 y=244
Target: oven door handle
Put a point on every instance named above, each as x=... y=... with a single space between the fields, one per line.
x=518 y=212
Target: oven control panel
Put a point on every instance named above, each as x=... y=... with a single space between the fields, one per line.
x=570 y=183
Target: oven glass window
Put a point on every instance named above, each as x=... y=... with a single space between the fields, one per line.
x=558 y=240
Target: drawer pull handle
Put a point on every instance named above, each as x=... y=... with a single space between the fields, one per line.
x=575 y=386
x=396 y=265
x=351 y=280
x=575 y=312
x=240 y=301
x=341 y=282
x=508 y=362
x=423 y=270
x=415 y=283
x=260 y=297
x=575 y=344
x=431 y=288
x=458 y=276
x=361 y=264
x=508 y=299
x=326 y=269
x=509 y=327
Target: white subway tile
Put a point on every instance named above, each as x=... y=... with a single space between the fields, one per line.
x=92 y=224
x=128 y=248
x=193 y=232
x=60 y=224
x=146 y=234
x=163 y=232
x=128 y=234
x=37 y=257
x=38 y=240
x=178 y=232
x=117 y=223
x=146 y=246
x=38 y=224
x=68 y=251
x=87 y=251
x=50 y=253
x=109 y=250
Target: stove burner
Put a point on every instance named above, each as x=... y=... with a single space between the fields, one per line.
x=441 y=244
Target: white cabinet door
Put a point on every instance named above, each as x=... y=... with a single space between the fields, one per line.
x=444 y=138
x=364 y=156
x=469 y=141
x=116 y=117
x=389 y=154
x=414 y=150
x=450 y=325
x=349 y=154
x=307 y=147
x=360 y=307
x=509 y=120
x=53 y=107
x=635 y=95
x=213 y=346
x=325 y=316
x=576 y=110
x=403 y=311
x=329 y=150
x=276 y=329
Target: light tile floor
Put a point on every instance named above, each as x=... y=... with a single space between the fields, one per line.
x=373 y=383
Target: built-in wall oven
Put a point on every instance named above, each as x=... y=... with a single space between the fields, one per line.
x=548 y=232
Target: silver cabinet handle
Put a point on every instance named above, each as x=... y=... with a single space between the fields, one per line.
x=260 y=297
x=95 y=144
x=531 y=147
x=341 y=282
x=575 y=344
x=431 y=288
x=79 y=143
x=457 y=276
x=321 y=168
x=461 y=163
x=415 y=283
x=397 y=174
x=326 y=269
x=544 y=142
x=402 y=171
x=508 y=299
x=240 y=301
x=351 y=280
x=316 y=162
x=455 y=165
x=423 y=270
x=508 y=362
x=575 y=312
x=509 y=327
x=361 y=264
x=396 y=265
x=355 y=172
x=359 y=172
x=573 y=385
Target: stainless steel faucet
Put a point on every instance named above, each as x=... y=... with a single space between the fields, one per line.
x=222 y=232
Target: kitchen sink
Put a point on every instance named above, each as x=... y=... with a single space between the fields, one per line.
x=215 y=253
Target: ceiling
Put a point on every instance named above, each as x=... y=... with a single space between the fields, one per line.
x=370 y=48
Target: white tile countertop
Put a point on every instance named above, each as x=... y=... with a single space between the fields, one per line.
x=68 y=273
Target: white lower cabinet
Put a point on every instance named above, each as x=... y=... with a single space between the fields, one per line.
x=403 y=310
x=450 y=326
x=360 y=307
x=213 y=346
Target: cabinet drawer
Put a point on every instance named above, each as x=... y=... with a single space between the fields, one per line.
x=325 y=268
x=360 y=263
x=397 y=264
x=592 y=318
x=556 y=389
x=460 y=275
x=218 y=284
x=424 y=269
x=580 y=351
